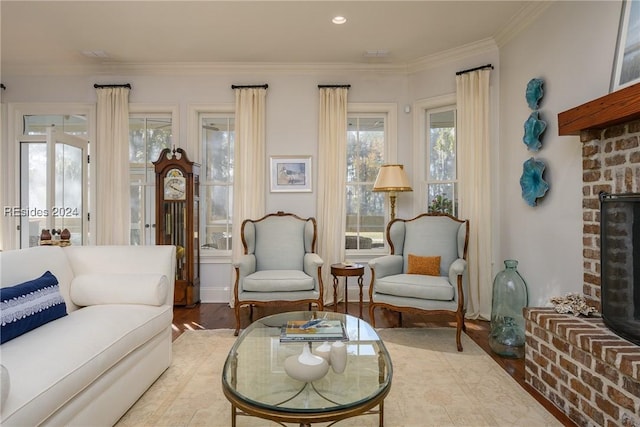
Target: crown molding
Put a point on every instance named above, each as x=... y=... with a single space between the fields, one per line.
x=204 y=68
x=528 y=14
x=250 y=67
x=198 y=68
x=450 y=55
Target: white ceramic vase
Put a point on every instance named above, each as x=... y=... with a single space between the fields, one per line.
x=338 y=357
x=306 y=367
x=324 y=351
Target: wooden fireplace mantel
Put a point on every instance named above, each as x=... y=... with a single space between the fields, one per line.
x=615 y=108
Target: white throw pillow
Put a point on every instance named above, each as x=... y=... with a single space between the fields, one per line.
x=129 y=288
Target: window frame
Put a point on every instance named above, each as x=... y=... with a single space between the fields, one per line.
x=194 y=144
x=429 y=180
x=205 y=183
x=420 y=144
x=51 y=143
x=151 y=111
x=390 y=111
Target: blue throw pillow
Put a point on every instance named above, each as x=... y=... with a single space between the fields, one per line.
x=31 y=304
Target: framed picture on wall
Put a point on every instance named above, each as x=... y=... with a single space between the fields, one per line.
x=291 y=174
x=626 y=65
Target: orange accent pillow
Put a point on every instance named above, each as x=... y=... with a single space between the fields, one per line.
x=427 y=265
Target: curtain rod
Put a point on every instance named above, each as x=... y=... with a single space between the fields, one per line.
x=264 y=86
x=97 y=86
x=474 y=69
x=332 y=86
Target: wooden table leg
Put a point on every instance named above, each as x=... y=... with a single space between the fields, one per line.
x=233 y=416
x=335 y=293
x=346 y=295
x=360 y=285
x=381 y=371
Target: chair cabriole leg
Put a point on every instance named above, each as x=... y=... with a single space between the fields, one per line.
x=459 y=327
x=372 y=318
x=236 y=310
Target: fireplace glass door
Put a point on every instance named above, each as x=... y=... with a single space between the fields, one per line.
x=620 y=263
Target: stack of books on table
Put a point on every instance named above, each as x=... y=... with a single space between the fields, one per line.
x=313 y=330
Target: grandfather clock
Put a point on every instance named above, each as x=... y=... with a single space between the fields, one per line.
x=177 y=222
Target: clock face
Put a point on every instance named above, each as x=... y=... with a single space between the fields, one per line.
x=175 y=185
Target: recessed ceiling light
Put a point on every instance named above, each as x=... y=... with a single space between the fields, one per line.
x=339 y=20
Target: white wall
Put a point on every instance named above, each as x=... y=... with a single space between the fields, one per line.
x=571 y=46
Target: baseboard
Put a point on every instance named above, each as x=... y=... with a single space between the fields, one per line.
x=222 y=295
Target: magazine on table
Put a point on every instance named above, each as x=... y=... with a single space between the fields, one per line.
x=313 y=330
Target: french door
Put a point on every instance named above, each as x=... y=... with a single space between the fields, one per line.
x=53 y=186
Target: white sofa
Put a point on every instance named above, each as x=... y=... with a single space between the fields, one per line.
x=91 y=365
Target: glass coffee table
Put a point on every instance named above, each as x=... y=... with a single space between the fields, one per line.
x=256 y=384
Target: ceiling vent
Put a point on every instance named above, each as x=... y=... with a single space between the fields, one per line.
x=376 y=53
x=95 y=53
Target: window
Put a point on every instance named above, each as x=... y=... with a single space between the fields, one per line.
x=37 y=124
x=149 y=134
x=366 y=148
x=216 y=180
x=441 y=173
x=53 y=145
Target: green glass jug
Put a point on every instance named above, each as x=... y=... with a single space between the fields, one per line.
x=507 y=322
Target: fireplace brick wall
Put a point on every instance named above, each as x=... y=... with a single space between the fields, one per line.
x=610 y=163
x=578 y=363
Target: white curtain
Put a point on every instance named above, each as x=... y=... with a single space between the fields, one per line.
x=332 y=171
x=474 y=169
x=249 y=170
x=113 y=211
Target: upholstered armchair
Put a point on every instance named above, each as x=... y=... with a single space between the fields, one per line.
x=279 y=264
x=426 y=271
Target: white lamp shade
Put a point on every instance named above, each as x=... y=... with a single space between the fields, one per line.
x=392 y=178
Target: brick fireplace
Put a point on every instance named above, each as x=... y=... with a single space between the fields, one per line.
x=578 y=363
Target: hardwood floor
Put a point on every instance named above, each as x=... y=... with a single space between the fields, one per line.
x=220 y=316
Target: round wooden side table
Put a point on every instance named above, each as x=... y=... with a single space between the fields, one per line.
x=346 y=270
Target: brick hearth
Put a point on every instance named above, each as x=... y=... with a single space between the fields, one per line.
x=583 y=368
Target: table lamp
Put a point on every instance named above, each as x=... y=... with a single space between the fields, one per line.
x=392 y=179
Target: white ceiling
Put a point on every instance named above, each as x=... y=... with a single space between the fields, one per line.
x=53 y=33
